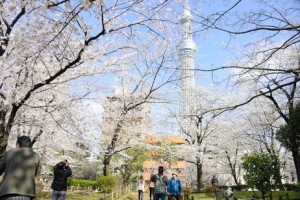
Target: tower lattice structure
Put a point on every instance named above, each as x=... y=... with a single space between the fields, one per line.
x=187 y=53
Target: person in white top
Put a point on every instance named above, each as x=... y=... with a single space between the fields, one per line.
x=141 y=187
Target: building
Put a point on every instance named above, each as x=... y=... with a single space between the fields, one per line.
x=161 y=157
x=115 y=113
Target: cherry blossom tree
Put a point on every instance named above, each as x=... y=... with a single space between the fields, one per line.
x=45 y=45
x=201 y=137
x=264 y=42
x=232 y=144
x=277 y=90
x=127 y=111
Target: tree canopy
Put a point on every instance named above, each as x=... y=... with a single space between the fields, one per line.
x=262 y=171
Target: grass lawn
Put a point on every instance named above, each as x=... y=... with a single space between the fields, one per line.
x=201 y=196
x=246 y=195
x=291 y=195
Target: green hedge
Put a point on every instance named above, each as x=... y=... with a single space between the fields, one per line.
x=106 y=183
x=286 y=186
x=83 y=184
x=103 y=183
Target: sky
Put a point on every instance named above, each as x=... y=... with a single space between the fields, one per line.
x=214 y=48
x=212 y=45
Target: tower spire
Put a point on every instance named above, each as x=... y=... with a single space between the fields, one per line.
x=187 y=52
x=186 y=22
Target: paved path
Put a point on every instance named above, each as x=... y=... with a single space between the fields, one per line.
x=134 y=196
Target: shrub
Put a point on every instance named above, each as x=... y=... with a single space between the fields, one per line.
x=83 y=184
x=262 y=171
x=297 y=187
x=210 y=190
x=106 y=183
x=239 y=187
x=288 y=187
x=186 y=192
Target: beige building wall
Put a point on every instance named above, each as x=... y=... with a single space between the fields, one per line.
x=180 y=167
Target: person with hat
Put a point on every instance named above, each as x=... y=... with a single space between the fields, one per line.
x=174 y=188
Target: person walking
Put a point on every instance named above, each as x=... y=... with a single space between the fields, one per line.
x=174 y=188
x=160 y=182
x=141 y=187
x=59 y=185
x=20 y=166
x=151 y=187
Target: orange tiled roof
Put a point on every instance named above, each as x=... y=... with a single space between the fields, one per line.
x=155 y=164
x=171 y=139
x=149 y=163
x=179 y=164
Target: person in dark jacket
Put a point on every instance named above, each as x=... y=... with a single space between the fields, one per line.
x=59 y=185
x=174 y=188
x=160 y=183
x=214 y=181
x=20 y=166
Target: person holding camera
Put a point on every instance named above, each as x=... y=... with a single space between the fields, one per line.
x=61 y=171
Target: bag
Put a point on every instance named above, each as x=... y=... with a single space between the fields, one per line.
x=160 y=186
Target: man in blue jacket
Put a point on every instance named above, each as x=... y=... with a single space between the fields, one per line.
x=174 y=188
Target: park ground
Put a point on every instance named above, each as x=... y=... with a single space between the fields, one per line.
x=243 y=195
x=99 y=196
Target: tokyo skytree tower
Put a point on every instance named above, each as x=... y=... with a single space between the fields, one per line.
x=187 y=53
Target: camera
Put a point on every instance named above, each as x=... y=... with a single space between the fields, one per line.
x=62 y=164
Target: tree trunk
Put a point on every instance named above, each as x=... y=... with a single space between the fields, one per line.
x=105 y=170
x=106 y=162
x=296 y=158
x=3 y=133
x=199 y=176
x=3 y=142
x=236 y=179
x=263 y=195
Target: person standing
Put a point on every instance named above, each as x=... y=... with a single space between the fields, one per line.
x=20 y=166
x=214 y=181
x=174 y=188
x=161 y=182
x=151 y=187
x=228 y=193
x=141 y=187
x=59 y=185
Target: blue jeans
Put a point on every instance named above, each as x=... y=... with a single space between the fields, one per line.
x=59 y=195
x=161 y=196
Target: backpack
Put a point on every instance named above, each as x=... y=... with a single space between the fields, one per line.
x=160 y=186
